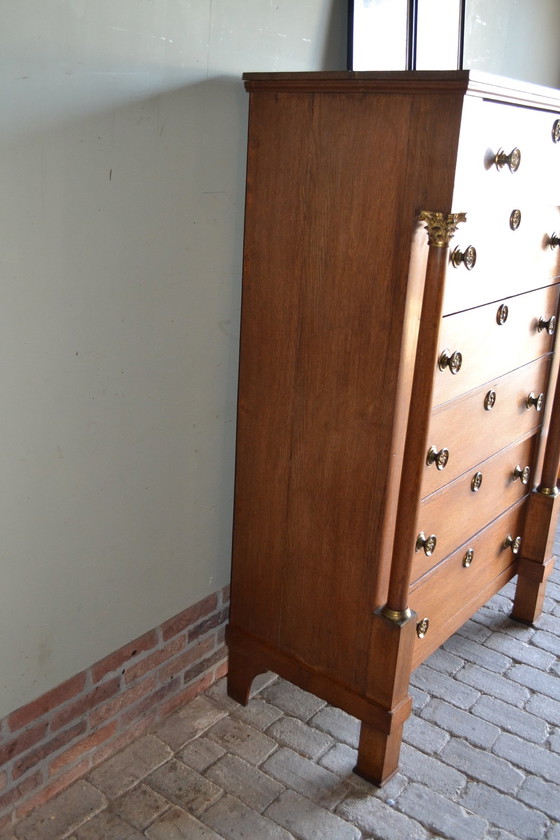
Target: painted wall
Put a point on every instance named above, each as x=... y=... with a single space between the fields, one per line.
x=121 y=212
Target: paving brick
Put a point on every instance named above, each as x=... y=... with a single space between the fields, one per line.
x=542 y=796
x=550 y=623
x=293 y=733
x=440 y=815
x=314 y=782
x=132 y=764
x=140 y=806
x=499 y=622
x=474 y=631
x=293 y=700
x=257 y=713
x=189 y=722
x=442 y=660
x=441 y=685
x=494 y=685
x=308 y=820
x=544 y=707
x=554 y=741
x=179 y=825
x=511 y=719
x=548 y=684
x=337 y=723
x=531 y=757
x=482 y=765
x=249 y=784
x=241 y=739
x=373 y=815
x=419 y=767
x=424 y=735
x=419 y=698
x=520 y=651
x=554 y=833
x=462 y=724
x=107 y=825
x=201 y=753
x=183 y=786
x=478 y=654
x=233 y=820
x=505 y=811
x=62 y=814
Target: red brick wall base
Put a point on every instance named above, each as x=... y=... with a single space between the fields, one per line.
x=52 y=741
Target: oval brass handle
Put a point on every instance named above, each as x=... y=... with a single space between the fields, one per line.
x=554 y=240
x=466 y=257
x=490 y=400
x=476 y=482
x=502 y=314
x=439 y=458
x=450 y=360
x=468 y=558
x=534 y=399
x=548 y=324
x=512 y=542
x=427 y=543
x=556 y=131
x=512 y=160
x=523 y=473
x=422 y=627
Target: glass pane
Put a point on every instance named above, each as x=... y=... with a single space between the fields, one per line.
x=379 y=35
x=437 y=34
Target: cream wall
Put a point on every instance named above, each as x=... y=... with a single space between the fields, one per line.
x=121 y=199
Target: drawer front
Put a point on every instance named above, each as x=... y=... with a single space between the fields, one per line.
x=466 y=505
x=492 y=340
x=489 y=127
x=515 y=253
x=456 y=588
x=482 y=422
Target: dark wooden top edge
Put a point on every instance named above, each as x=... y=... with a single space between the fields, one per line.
x=474 y=83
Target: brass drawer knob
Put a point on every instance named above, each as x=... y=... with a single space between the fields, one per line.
x=450 y=360
x=523 y=473
x=556 y=131
x=439 y=458
x=535 y=399
x=554 y=240
x=512 y=160
x=548 y=324
x=502 y=314
x=427 y=543
x=489 y=400
x=422 y=627
x=515 y=219
x=466 y=257
x=512 y=542
x=476 y=482
x=468 y=558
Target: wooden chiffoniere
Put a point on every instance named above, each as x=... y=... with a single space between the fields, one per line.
x=398 y=444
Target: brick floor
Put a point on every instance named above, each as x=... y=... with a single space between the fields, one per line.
x=480 y=759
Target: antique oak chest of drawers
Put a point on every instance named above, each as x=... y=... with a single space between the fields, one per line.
x=398 y=445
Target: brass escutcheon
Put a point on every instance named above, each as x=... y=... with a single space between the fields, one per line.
x=556 y=131
x=554 y=240
x=502 y=314
x=427 y=543
x=512 y=542
x=534 y=400
x=468 y=558
x=439 y=458
x=422 y=627
x=490 y=400
x=512 y=161
x=466 y=257
x=476 y=482
x=515 y=219
x=450 y=360
x=548 y=324
x=523 y=473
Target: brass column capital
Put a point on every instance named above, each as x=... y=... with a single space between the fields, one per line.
x=441 y=227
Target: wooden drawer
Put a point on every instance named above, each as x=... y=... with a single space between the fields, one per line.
x=489 y=349
x=459 y=510
x=479 y=423
x=488 y=127
x=453 y=591
x=509 y=261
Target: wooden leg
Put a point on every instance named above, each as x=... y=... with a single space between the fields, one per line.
x=530 y=590
x=241 y=673
x=378 y=754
